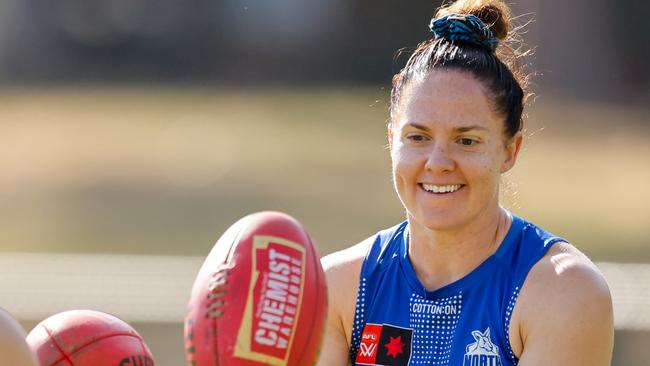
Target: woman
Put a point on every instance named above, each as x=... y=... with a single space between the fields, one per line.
x=462 y=281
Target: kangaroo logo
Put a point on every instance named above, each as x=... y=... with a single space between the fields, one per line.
x=483 y=352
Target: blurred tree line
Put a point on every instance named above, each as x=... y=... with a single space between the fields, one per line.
x=586 y=48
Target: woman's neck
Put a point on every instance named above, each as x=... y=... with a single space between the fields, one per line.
x=440 y=257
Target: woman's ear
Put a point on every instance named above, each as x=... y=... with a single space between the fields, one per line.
x=512 y=151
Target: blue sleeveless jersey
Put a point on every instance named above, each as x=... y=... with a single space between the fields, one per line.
x=398 y=322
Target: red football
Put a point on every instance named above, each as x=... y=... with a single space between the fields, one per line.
x=260 y=297
x=88 y=338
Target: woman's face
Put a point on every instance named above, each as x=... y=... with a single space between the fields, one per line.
x=448 y=149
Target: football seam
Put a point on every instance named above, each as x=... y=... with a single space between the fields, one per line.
x=215 y=327
x=67 y=356
x=145 y=350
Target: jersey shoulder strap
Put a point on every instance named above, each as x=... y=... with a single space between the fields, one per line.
x=518 y=258
x=531 y=244
x=386 y=244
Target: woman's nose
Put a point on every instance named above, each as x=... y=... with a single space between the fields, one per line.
x=439 y=160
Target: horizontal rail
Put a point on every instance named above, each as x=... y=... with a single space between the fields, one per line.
x=155 y=289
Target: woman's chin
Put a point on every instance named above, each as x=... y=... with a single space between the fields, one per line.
x=437 y=221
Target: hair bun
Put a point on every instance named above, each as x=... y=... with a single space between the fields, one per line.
x=494 y=13
x=464 y=28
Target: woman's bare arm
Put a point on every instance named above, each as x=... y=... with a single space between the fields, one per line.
x=565 y=313
x=342 y=271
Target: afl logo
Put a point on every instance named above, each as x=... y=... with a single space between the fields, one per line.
x=482 y=352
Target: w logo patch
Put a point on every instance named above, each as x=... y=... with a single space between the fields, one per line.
x=483 y=352
x=367 y=350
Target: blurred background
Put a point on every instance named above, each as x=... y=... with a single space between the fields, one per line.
x=133 y=132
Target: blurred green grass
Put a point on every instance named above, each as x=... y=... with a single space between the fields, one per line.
x=164 y=170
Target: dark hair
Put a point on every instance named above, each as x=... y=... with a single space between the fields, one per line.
x=498 y=71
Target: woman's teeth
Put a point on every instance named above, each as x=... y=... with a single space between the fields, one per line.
x=441 y=189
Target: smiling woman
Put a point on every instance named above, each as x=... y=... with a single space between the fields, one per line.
x=449 y=150
x=462 y=281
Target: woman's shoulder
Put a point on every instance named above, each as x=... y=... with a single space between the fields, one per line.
x=349 y=261
x=567 y=272
x=560 y=262
x=342 y=271
x=564 y=295
x=564 y=259
x=343 y=274
x=341 y=265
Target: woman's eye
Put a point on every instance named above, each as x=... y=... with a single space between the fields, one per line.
x=416 y=138
x=467 y=142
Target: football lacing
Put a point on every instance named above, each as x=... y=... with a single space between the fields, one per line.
x=216 y=290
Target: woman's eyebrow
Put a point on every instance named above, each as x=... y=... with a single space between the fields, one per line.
x=470 y=128
x=457 y=129
x=418 y=126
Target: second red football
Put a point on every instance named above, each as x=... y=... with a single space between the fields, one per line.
x=88 y=338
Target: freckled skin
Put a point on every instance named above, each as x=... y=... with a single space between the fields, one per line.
x=428 y=147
